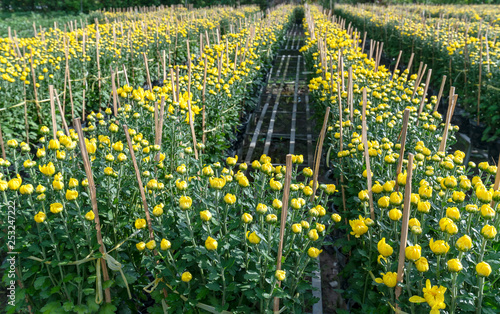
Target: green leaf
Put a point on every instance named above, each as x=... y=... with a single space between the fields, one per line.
x=252 y=275
x=80 y=309
x=108 y=284
x=107 y=308
x=68 y=306
x=52 y=307
x=40 y=282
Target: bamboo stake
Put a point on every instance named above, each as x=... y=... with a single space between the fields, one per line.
x=83 y=105
x=397 y=64
x=33 y=76
x=61 y=111
x=404 y=228
x=150 y=87
x=367 y=156
x=451 y=110
x=125 y=73
x=427 y=81
x=440 y=93
x=139 y=181
x=191 y=124
x=115 y=94
x=4 y=156
x=319 y=149
x=409 y=66
x=93 y=199
x=406 y=118
x=350 y=94
x=417 y=81
x=341 y=145
x=284 y=213
x=53 y=112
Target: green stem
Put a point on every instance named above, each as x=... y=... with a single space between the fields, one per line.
x=453 y=292
x=480 y=295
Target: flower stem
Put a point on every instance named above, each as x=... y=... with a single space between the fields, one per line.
x=480 y=295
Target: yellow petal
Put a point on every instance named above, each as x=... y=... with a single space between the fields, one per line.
x=417 y=299
x=379 y=280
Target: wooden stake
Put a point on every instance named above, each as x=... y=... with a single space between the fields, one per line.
x=451 y=110
x=404 y=228
x=150 y=87
x=93 y=200
x=397 y=64
x=406 y=118
x=191 y=123
x=139 y=181
x=284 y=212
x=417 y=81
x=367 y=156
x=61 y=111
x=440 y=93
x=115 y=94
x=409 y=66
x=427 y=81
x=319 y=148
x=125 y=73
x=53 y=112
x=83 y=105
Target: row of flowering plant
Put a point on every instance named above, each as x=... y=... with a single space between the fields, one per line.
x=78 y=60
x=451 y=257
x=209 y=224
x=461 y=45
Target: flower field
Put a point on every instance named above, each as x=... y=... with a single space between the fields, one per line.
x=459 y=42
x=422 y=225
x=119 y=191
x=135 y=209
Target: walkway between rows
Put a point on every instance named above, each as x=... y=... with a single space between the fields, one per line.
x=283 y=121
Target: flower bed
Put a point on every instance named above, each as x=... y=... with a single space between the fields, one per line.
x=441 y=215
x=455 y=42
x=129 y=212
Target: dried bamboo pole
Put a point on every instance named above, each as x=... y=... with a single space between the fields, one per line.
x=61 y=111
x=404 y=228
x=406 y=118
x=397 y=64
x=150 y=86
x=190 y=112
x=53 y=112
x=440 y=93
x=93 y=200
x=367 y=156
x=319 y=149
x=284 y=212
x=427 y=81
x=139 y=181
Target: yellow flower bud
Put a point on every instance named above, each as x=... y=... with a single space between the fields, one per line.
x=165 y=244
x=210 y=244
x=280 y=275
x=313 y=252
x=186 y=276
x=422 y=265
x=90 y=215
x=151 y=245
x=454 y=265
x=483 y=269
x=384 y=249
